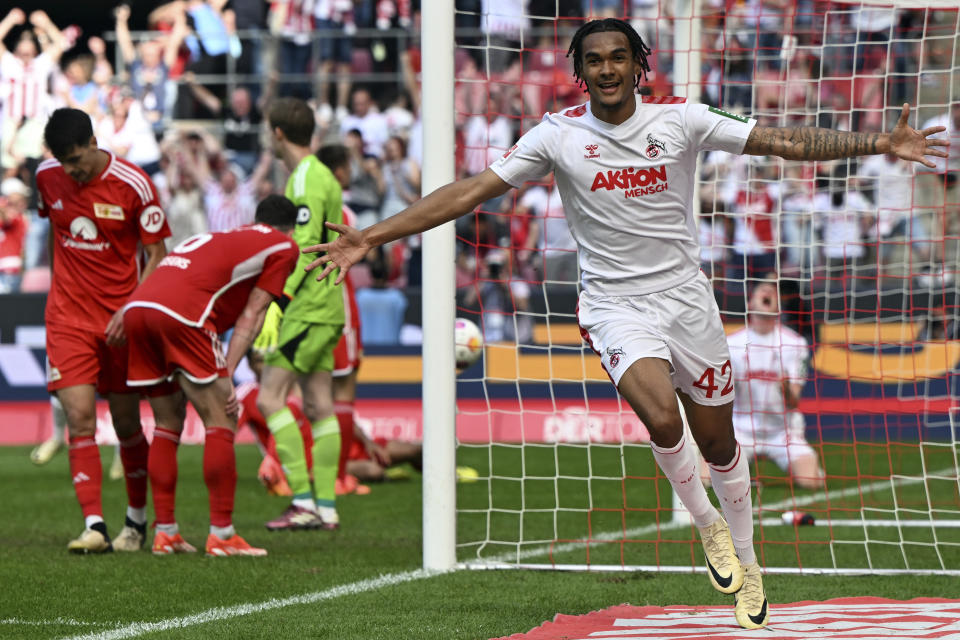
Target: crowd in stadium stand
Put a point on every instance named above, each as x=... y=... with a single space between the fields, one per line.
x=185 y=100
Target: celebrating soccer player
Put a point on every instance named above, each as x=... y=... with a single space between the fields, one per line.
x=302 y=329
x=626 y=167
x=101 y=210
x=210 y=283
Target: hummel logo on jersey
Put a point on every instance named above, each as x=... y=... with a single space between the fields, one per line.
x=592 y=151
x=57 y=205
x=653 y=180
x=80 y=477
x=655 y=147
x=614 y=357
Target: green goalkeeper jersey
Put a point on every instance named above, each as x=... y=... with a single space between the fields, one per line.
x=317 y=196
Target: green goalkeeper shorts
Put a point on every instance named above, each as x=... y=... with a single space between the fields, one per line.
x=305 y=347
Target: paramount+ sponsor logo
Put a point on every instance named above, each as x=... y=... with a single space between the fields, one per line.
x=634 y=182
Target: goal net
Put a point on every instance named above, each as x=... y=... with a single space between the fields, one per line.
x=863 y=258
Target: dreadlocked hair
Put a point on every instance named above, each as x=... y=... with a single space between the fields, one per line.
x=638 y=47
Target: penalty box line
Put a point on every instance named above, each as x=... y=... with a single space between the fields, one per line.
x=226 y=613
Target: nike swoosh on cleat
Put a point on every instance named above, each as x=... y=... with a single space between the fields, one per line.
x=758 y=619
x=723 y=582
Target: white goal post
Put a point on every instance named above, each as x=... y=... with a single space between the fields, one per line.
x=892 y=500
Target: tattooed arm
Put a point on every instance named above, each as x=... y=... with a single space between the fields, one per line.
x=812 y=143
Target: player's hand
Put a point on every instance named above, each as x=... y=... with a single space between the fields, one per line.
x=377 y=453
x=114 y=332
x=908 y=143
x=233 y=405
x=269 y=336
x=344 y=252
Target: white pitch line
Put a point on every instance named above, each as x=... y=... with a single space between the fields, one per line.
x=226 y=613
x=63 y=622
x=793 y=502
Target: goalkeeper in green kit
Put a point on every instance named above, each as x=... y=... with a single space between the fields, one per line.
x=302 y=329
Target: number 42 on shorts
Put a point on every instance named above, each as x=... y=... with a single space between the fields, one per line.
x=706 y=381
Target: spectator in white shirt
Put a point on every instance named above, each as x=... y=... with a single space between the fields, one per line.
x=938 y=189
x=126 y=132
x=898 y=221
x=24 y=85
x=366 y=118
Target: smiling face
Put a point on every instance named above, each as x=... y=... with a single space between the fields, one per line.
x=610 y=72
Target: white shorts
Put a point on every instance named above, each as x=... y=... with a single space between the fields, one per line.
x=783 y=444
x=680 y=325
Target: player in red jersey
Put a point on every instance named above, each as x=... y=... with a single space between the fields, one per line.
x=209 y=283
x=102 y=209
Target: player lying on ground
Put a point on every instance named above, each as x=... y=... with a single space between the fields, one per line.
x=103 y=211
x=626 y=167
x=769 y=362
x=209 y=283
x=302 y=330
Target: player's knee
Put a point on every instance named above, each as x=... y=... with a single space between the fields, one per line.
x=665 y=425
x=316 y=410
x=717 y=449
x=81 y=421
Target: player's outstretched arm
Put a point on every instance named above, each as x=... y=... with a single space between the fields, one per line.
x=813 y=143
x=443 y=205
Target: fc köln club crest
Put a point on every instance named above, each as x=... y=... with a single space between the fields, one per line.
x=655 y=148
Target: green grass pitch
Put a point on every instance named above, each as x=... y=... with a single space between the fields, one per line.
x=48 y=593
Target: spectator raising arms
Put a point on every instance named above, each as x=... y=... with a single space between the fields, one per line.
x=24 y=93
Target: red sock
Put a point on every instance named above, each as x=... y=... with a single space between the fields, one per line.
x=344 y=413
x=87 y=474
x=220 y=474
x=262 y=433
x=162 y=467
x=306 y=432
x=134 y=452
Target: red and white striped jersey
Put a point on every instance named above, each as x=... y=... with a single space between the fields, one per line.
x=25 y=88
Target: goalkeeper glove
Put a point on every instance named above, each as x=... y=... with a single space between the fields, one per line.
x=269 y=336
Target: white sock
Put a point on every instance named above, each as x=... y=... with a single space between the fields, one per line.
x=89 y=521
x=137 y=515
x=731 y=483
x=169 y=529
x=224 y=533
x=305 y=503
x=679 y=464
x=59 y=418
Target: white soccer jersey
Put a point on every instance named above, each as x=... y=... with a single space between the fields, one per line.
x=627 y=189
x=24 y=89
x=761 y=363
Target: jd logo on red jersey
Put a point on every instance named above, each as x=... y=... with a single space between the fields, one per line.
x=634 y=182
